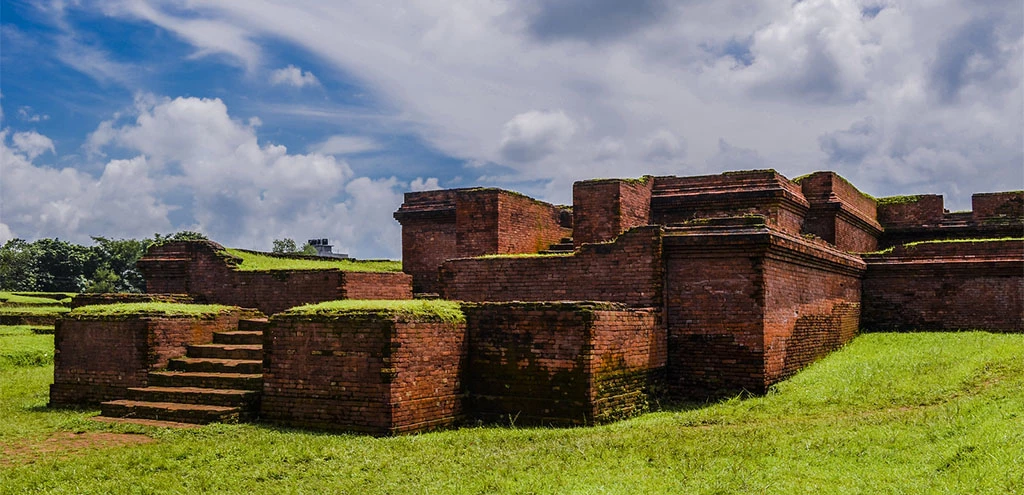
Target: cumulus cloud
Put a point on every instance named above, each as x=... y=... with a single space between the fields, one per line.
x=420 y=184
x=32 y=144
x=927 y=92
x=530 y=136
x=664 y=146
x=47 y=202
x=208 y=171
x=346 y=145
x=293 y=76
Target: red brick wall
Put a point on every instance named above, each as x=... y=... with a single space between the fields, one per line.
x=603 y=209
x=839 y=213
x=476 y=222
x=810 y=310
x=926 y=210
x=998 y=206
x=428 y=235
x=208 y=278
x=368 y=373
x=458 y=223
x=628 y=271
x=758 y=192
x=425 y=245
x=526 y=225
x=97 y=359
x=946 y=286
x=747 y=306
x=561 y=363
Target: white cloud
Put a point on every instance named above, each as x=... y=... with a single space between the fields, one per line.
x=790 y=84
x=346 y=145
x=419 y=184
x=195 y=163
x=293 y=76
x=46 y=202
x=32 y=143
x=25 y=113
x=533 y=135
x=664 y=146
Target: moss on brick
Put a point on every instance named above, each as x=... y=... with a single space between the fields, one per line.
x=256 y=262
x=412 y=309
x=150 y=309
x=899 y=200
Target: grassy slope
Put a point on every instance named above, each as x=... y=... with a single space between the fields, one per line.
x=151 y=308
x=448 y=311
x=256 y=262
x=890 y=413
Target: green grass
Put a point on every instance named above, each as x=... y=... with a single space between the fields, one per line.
x=524 y=255
x=20 y=346
x=150 y=308
x=890 y=413
x=898 y=200
x=261 y=263
x=21 y=299
x=33 y=310
x=911 y=245
x=417 y=309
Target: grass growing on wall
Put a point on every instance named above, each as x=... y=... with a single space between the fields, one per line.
x=418 y=309
x=33 y=310
x=260 y=263
x=898 y=200
x=28 y=299
x=151 y=308
x=911 y=245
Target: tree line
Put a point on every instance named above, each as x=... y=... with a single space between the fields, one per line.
x=53 y=265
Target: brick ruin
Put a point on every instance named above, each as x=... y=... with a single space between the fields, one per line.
x=657 y=288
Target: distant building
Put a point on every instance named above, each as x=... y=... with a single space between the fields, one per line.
x=324 y=249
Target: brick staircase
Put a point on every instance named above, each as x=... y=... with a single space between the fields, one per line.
x=218 y=382
x=565 y=245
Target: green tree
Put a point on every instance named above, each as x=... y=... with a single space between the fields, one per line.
x=62 y=266
x=17 y=266
x=118 y=257
x=308 y=249
x=103 y=280
x=284 y=246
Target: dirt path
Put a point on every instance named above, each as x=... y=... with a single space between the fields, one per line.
x=64 y=444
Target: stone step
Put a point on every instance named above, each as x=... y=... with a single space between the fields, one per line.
x=224 y=351
x=171 y=411
x=236 y=381
x=253 y=324
x=251 y=337
x=212 y=365
x=247 y=399
x=565 y=240
x=563 y=247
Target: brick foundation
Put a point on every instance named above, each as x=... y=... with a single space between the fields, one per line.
x=370 y=373
x=747 y=305
x=562 y=363
x=97 y=358
x=946 y=286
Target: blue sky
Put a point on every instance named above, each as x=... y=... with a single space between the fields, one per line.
x=254 y=120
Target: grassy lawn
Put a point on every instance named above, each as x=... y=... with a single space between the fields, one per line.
x=260 y=263
x=890 y=413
